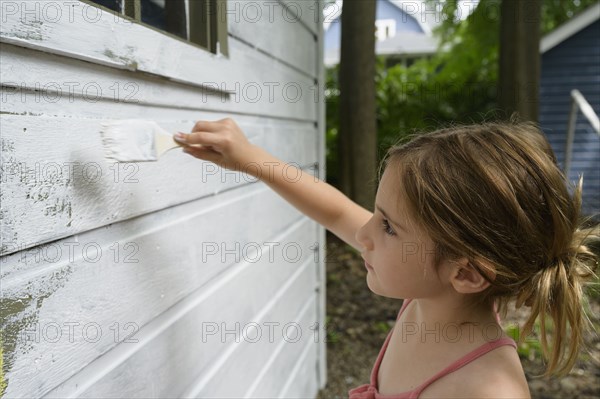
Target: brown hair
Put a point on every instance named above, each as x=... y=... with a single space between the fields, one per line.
x=494 y=193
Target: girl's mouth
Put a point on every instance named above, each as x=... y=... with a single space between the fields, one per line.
x=368 y=266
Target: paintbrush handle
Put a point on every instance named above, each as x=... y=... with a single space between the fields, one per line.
x=163 y=142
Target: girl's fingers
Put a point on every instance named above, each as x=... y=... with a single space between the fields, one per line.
x=213 y=141
x=203 y=138
x=206 y=126
x=202 y=153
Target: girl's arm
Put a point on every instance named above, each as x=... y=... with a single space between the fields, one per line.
x=223 y=143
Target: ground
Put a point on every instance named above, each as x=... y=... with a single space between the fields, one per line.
x=358 y=322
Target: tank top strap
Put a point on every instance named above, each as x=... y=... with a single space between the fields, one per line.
x=466 y=359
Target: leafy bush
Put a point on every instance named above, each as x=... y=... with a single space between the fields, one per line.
x=457 y=85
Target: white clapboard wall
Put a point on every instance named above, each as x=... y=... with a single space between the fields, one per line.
x=164 y=279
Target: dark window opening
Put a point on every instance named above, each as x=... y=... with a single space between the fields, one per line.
x=169 y=16
x=114 y=5
x=202 y=22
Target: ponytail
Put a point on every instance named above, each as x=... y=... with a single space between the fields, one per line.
x=558 y=291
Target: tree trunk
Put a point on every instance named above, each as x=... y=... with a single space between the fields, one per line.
x=519 y=76
x=357 y=138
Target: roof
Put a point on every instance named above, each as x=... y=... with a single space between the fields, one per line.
x=426 y=15
x=403 y=44
x=571 y=27
x=421 y=12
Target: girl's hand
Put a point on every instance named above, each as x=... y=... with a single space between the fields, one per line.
x=221 y=142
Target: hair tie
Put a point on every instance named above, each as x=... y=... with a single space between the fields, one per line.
x=565 y=259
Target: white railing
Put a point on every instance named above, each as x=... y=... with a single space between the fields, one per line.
x=578 y=102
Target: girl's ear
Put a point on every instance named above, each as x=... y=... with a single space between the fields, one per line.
x=467 y=279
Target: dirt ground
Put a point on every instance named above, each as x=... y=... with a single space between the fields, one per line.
x=358 y=322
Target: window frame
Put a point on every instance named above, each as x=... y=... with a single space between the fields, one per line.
x=385 y=25
x=212 y=15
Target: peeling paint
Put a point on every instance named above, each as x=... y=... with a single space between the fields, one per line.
x=2 y=381
x=42 y=184
x=8 y=234
x=20 y=309
x=60 y=206
x=32 y=30
x=19 y=113
x=15 y=318
x=7 y=145
x=130 y=63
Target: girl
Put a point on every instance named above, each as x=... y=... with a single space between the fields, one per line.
x=466 y=219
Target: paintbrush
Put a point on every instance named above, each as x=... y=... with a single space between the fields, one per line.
x=135 y=140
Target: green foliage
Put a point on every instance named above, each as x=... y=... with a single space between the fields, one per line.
x=2 y=380
x=452 y=87
x=557 y=12
x=554 y=14
x=456 y=85
x=383 y=326
x=332 y=96
x=592 y=290
x=332 y=335
x=530 y=348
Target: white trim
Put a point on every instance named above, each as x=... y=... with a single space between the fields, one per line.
x=568 y=29
x=187 y=20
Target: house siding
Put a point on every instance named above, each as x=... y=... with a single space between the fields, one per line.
x=574 y=64
x=161 y=279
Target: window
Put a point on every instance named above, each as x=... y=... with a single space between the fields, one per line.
x=385 y=29
x=202 y=22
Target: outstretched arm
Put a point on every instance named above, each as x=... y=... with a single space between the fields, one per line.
x=223 y=143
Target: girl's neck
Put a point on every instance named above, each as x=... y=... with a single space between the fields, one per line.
x=456 y=310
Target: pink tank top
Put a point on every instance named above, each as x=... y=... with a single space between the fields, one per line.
x=369 y=391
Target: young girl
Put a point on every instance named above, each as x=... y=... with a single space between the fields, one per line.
x=466 y=219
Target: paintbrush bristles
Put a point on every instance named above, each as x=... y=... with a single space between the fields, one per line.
x=135 y=140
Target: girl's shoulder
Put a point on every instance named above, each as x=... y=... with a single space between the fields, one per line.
x=503 y=375
x=497 y=374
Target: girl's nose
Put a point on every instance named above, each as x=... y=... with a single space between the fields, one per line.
x=362 y=237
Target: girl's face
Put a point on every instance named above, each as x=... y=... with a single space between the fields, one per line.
x=399 y=257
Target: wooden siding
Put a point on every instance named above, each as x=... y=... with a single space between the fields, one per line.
x=574 y=64
x=92 y=252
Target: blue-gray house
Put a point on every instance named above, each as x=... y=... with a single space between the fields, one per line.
x=571 y=60
x=403 y=31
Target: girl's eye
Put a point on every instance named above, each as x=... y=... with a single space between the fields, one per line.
x=387 y=228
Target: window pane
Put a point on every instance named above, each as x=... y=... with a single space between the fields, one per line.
x=167 y=15
x=114 y=5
